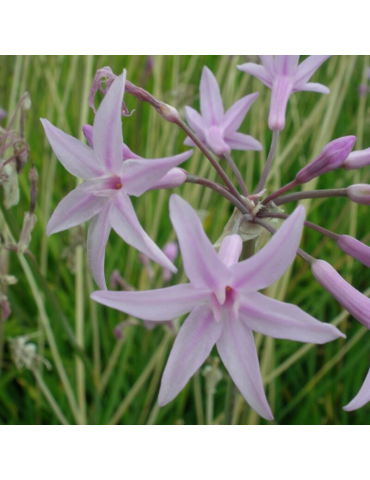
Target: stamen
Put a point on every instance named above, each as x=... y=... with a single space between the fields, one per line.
x=118 y=186
x=228 y=289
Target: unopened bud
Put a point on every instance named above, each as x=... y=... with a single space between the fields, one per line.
x=174 y=178
x=331 y=158
x=359 y=193
x=358 y=159
x=2 y=114
x=168 y=113
x=355 y=249
x=351 y=299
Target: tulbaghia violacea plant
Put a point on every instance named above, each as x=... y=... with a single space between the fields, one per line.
x=222 y=299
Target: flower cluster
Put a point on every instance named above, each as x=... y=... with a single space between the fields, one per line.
x=222 y=298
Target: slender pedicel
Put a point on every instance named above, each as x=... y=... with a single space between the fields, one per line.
x=270 y=158
x=322 y=230
x=280 y=191
x=219 y=189
x=237 y=174
x=294 y=197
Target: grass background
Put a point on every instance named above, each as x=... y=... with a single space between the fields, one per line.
x=98 y=379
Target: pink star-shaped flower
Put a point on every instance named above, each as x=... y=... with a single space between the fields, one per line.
x=112 y=173
x=218 y=130
x=224 y=304
x=284 y=76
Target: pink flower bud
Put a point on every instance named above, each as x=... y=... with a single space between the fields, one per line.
x=174 y=178
x=351 y=299
x=359 y=193
x=358 y=159
x=2 y=114
x=355 y=249
x=331 y=157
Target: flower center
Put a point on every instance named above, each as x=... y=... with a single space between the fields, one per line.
x=118 y=186
x=228 y=289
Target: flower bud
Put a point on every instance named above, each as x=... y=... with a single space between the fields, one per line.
x=358 y=159
x=2 y=114
x=355 y=249
x=359 y=193
x=351 y=299
x=174 y=178
x=331 y=157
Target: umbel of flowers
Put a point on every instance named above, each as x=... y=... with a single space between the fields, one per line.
x=222 y=299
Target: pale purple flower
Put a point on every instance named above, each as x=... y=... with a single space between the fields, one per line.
x=330 y=158
x=358 y=159
x=105 y=195
x=216 y=129
x=171 y=250
x=354 y=248
x=359 y=193
x=284 y=76
x=225 y=305
x=2 y=114
x=361 y=398
x=351 y=299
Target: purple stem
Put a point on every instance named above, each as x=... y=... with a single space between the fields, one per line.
x=294 y=197
x=237 y=174
x=279 y=192
x=322 y=230
x=270 y=158
x=221 y=190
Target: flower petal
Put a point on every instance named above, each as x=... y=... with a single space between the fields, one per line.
x=286 y=64
x=125 y=223
x=234 y=117
x=312 y=87
x=174 y=178
x=140 y=175
x=192 y=346
x=271 y=262
x=195 y=122
x=88 y=132
x=230 y=249
x=283 y=320
x=281 y=91
x=308 y=67
x=128 y=154
x=239 y=355
x=76 y=208
x=257 y=71
x=211 y=104
x=75 y=156
x=189 y=142
x=202 y=265
x=240 y=141
x=362 y=398
x=97 y=239
x=154 y=305
x=107 y=130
